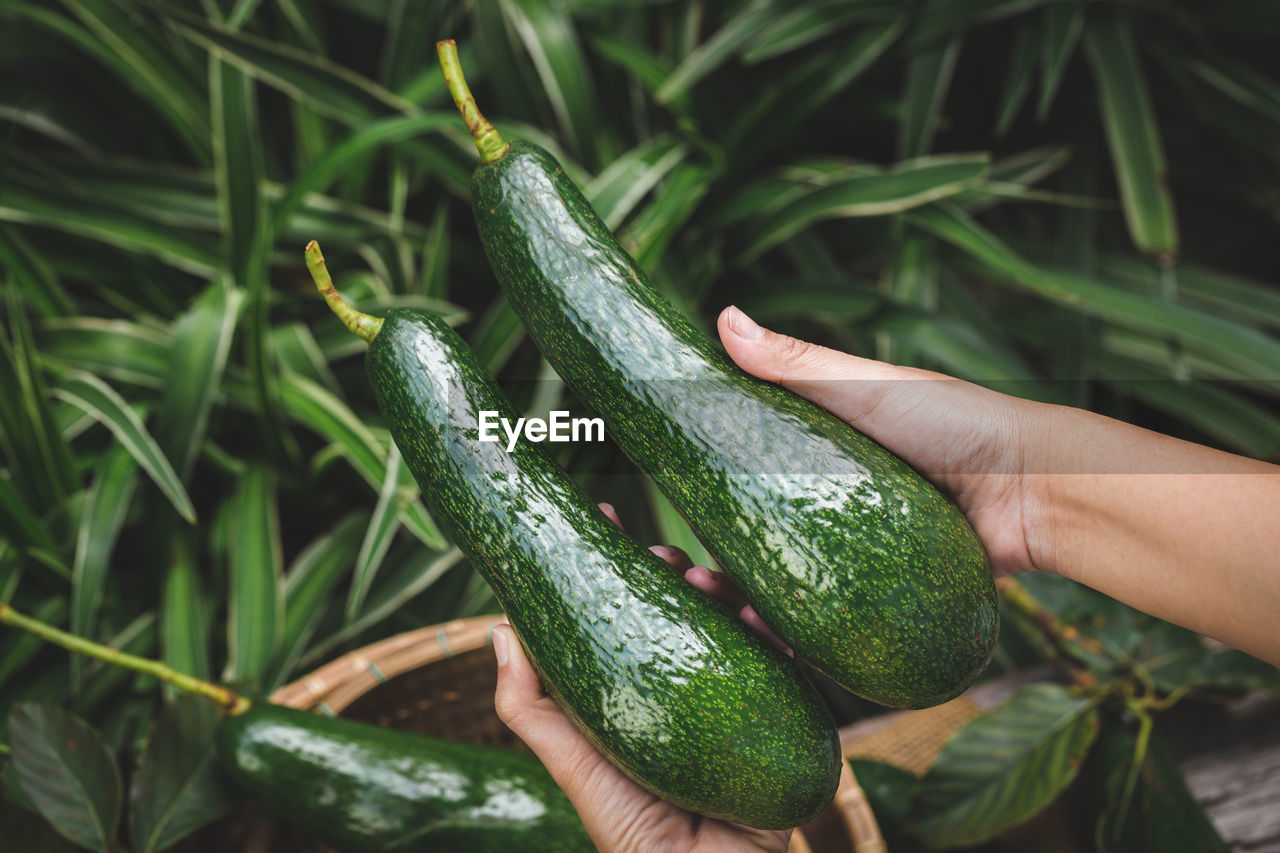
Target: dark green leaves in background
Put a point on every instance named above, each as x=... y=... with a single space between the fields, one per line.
x=1069 y=200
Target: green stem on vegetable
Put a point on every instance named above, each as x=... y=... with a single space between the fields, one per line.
x=491 y=145
x=233 y=702
x=364 y=325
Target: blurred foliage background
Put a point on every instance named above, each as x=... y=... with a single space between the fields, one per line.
x=1071 y=201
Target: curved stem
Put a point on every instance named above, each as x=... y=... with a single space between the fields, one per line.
x=233 y=702
x=364 y=325
x=491 y=145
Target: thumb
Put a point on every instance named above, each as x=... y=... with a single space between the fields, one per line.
x=850 y=387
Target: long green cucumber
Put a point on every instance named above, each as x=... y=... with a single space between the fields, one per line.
x=850 y=555
x=367 y=788
x=668 y=684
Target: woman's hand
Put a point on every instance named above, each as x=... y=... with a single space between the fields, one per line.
x=1172 y=528
x=619 y=814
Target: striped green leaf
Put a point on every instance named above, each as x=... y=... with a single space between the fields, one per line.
x=255 y=607
x=929 y=75
x=98 y=399
x=1133 y=135
x=184 y=637
x=67 y=773
x=1004 y=767
x=717 y=49
x=1063 y=24
x=383 y=525
x=899 y=188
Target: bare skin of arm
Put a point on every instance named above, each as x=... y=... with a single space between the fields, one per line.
x=1171 y=528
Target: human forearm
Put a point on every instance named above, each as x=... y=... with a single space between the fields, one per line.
x=1174 y=529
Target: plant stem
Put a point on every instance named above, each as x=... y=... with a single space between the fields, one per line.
x=1058 y=641
x=364 y=325
x=490 y=144
x=233 y=702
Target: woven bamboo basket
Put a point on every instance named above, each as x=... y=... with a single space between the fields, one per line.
x=440 y=681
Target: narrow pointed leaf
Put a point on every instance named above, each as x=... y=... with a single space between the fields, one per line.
x=1063 y=24
x=1133 y=135
x=377 y=539
x=717 y=49
x=103 y=515
x=1017 y=79
x=67 y=773
x=928 y=81
x=98 y=399
x=255 y=616
x=184 y=640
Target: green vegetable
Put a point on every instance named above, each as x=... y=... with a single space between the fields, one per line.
x=365 y=788
x=853 y=558
x=671 y=686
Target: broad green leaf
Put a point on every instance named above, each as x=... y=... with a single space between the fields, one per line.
x=103 y=515
x=1223 y=670
x=928 y=80
x=184 y=640
x=1063 y=24
x=193 y=371
x=1017 y=80
x=330 y=89
x=550 y=38
x=178 y=787
x=98 y=399
x=383 y=525
x=255 y=613
x=1161 y=812
x=673 y=530
x=899 y=188
x=1133 y=135
x=25 y=830
x=889 y=790
x=67 y=773
x=1002 y=768
x=717 y=49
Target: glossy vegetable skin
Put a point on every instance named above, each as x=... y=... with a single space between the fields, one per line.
x=671 y=686
x=366 y=788
x=852 y=557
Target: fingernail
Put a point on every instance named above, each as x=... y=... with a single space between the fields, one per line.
x=743 y=326
x=500 y=645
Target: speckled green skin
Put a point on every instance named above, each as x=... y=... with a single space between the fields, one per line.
x=366 y=788
x=673 y=688
x=853 y=558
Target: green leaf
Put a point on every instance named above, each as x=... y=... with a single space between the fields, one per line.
x=549 y=36
x=899 y=188
x=717 y=49
x=1017 y=80
x=98 y=399
x=928 y=80
x=255 y=616
x=330 y=89
x=24 y=830
x=184 y=640
x=1222 y=670
x=310 y=580
x=100 y=523
x=377 y=539
x=19 y=649
x=889 y=790
x=22 y=528
x=1063 y=24
x=1162 y=815
x=67 y=772
x=39 y=284
x=1133 y=135
x=177 y=787
x=940 y=18
x=616 y=191
x=1004 y=767
x=193 y=372
x=810 y=22
x=320 y=410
